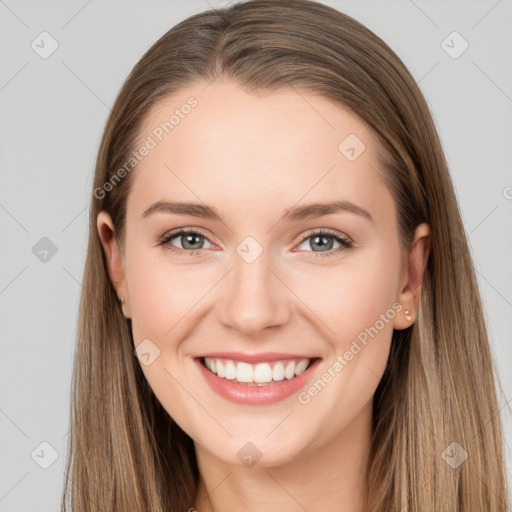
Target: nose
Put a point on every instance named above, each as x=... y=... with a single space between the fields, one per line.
x=255 y=297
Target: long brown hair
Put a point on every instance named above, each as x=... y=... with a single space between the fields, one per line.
x=125 y=453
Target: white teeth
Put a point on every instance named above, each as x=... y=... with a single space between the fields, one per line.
x=244 y=372
x=220 y=368
x=230 y=370
x=301 y=367
x=289 y=371
x=278 y=372
x=260 y=373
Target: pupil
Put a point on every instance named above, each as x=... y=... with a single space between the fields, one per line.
x=324 y=246
x=189 y=240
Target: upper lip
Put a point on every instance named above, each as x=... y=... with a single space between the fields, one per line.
x=253 y=358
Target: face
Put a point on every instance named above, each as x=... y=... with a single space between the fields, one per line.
x=262 y=282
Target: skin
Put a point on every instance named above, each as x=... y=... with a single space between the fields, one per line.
x=252 y=156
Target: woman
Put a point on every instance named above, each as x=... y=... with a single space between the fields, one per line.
x=279 y=310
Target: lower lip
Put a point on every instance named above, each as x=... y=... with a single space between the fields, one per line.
x=252 y=394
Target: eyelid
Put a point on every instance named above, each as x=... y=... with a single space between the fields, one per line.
x=180 y=231
x=325 y=231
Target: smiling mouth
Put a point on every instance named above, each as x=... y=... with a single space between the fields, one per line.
x=260 y=374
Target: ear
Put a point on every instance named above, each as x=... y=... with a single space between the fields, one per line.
x=114 y=259
x=416 y=262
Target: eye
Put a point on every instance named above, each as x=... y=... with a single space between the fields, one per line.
x=324 y=241
x=190 y=241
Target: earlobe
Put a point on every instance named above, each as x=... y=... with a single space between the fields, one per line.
x=417 y=259
x=113 y=256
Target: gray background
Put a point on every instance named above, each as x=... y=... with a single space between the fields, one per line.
x=53 y=112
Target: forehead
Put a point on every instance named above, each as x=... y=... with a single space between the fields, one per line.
x=221 y=143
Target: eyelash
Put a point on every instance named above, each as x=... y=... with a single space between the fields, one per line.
x=344 y=242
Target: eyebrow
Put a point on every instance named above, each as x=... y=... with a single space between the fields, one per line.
x=194 y=209
x=318 y=209
x=293 y=214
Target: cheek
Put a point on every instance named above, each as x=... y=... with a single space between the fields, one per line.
x=357 y=303
x=162 y=297
x=352 y=296
x=162 y=293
